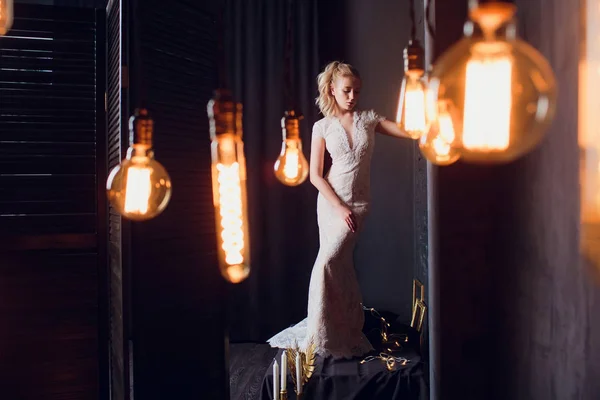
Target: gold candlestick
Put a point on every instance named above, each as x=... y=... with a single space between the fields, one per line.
x=283 y=395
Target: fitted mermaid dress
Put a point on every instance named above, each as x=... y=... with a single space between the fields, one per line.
x=335 y=316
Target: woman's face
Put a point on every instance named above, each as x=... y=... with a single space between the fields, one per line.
x=346 y=90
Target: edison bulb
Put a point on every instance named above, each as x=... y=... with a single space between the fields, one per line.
x=411 y=114
x=504 y=89
x=139 y=188
x=229 y=187
x=438 y=145
x=411 y=105
x=6 y=16
x=291 y=167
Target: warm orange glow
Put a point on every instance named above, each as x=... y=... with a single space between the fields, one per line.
x=228 y=170
x=291 y=167
x=6 y=16
x=230 y=212
x=442 y=143
x=589 y=138
x=229 y=193
x=589 y=119
x=438 y=144
x=503 y=89
x=138 y=188
x=410 y=115
x=487 y=103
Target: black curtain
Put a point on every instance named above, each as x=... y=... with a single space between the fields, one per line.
x=283 y=227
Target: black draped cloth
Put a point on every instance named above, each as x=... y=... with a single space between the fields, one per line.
x=251 y=370
x=351 y=380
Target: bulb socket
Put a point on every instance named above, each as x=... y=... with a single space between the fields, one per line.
x=290 y=125
x=224 y=114
x=502 y=11
x=414 y=57
x=141 y=128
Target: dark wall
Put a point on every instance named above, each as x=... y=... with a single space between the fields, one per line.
x=168 y=295
x=371 y=36
x=512 y=313
x=52 y=247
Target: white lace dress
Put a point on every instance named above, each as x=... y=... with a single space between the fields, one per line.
x=335 y=315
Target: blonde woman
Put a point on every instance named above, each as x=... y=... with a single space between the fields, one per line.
x=335 y=315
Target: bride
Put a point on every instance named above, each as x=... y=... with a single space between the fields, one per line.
x=335 y=315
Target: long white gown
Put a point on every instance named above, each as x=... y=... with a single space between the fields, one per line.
x=335 y=315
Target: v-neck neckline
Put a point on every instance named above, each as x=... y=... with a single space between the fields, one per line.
x=350 y=136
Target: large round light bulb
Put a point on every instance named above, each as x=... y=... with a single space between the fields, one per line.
x=140 y=187
x=504 y=88
x=438 y=144
x=291 y=167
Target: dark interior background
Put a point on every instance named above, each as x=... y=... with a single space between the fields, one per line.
x=137 y=296
x=512 y=280
x=392 y=249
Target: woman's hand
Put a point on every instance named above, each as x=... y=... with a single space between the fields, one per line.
x=347 y=216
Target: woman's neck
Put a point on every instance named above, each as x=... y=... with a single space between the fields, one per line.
x=341 y=113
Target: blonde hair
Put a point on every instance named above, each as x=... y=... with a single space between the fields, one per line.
x=333 y=70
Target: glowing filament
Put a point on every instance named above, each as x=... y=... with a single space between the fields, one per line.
x=442 y=142
x=414 y=109
x=138 y=189
x=291 y=167
x=487 y=104
x=230 y=212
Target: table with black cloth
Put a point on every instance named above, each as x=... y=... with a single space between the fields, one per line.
x=251 y=370
x=349 y=379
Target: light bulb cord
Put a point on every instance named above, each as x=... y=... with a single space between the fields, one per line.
x=413 y=22
x=222 y=76
x=288 y=54
x=138 y=56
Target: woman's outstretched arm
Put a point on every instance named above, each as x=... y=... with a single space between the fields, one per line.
x=390 y=128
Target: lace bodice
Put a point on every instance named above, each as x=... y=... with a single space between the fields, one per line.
x=335 y=316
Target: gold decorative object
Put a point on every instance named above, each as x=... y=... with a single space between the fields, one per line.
x=283 y=395
x=419 y=307
x=418 y=315
x=308 y=362
x=391 y=362
x=418 y=289
x=393 y=340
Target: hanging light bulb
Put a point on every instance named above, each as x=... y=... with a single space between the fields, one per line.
x=140 y=187
x=504 y=88
x=229 y=186
x=291 y=167
x=6 y=16
x=411 y=116
x=438 y=144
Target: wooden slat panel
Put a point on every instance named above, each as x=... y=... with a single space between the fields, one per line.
x=119 y=354
x=47 y=242
x=47 y=165
x=48 y=338
x=48 y=188
x=49 y=308
x=64 y=148
x=75 y=206
x=48 y=223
